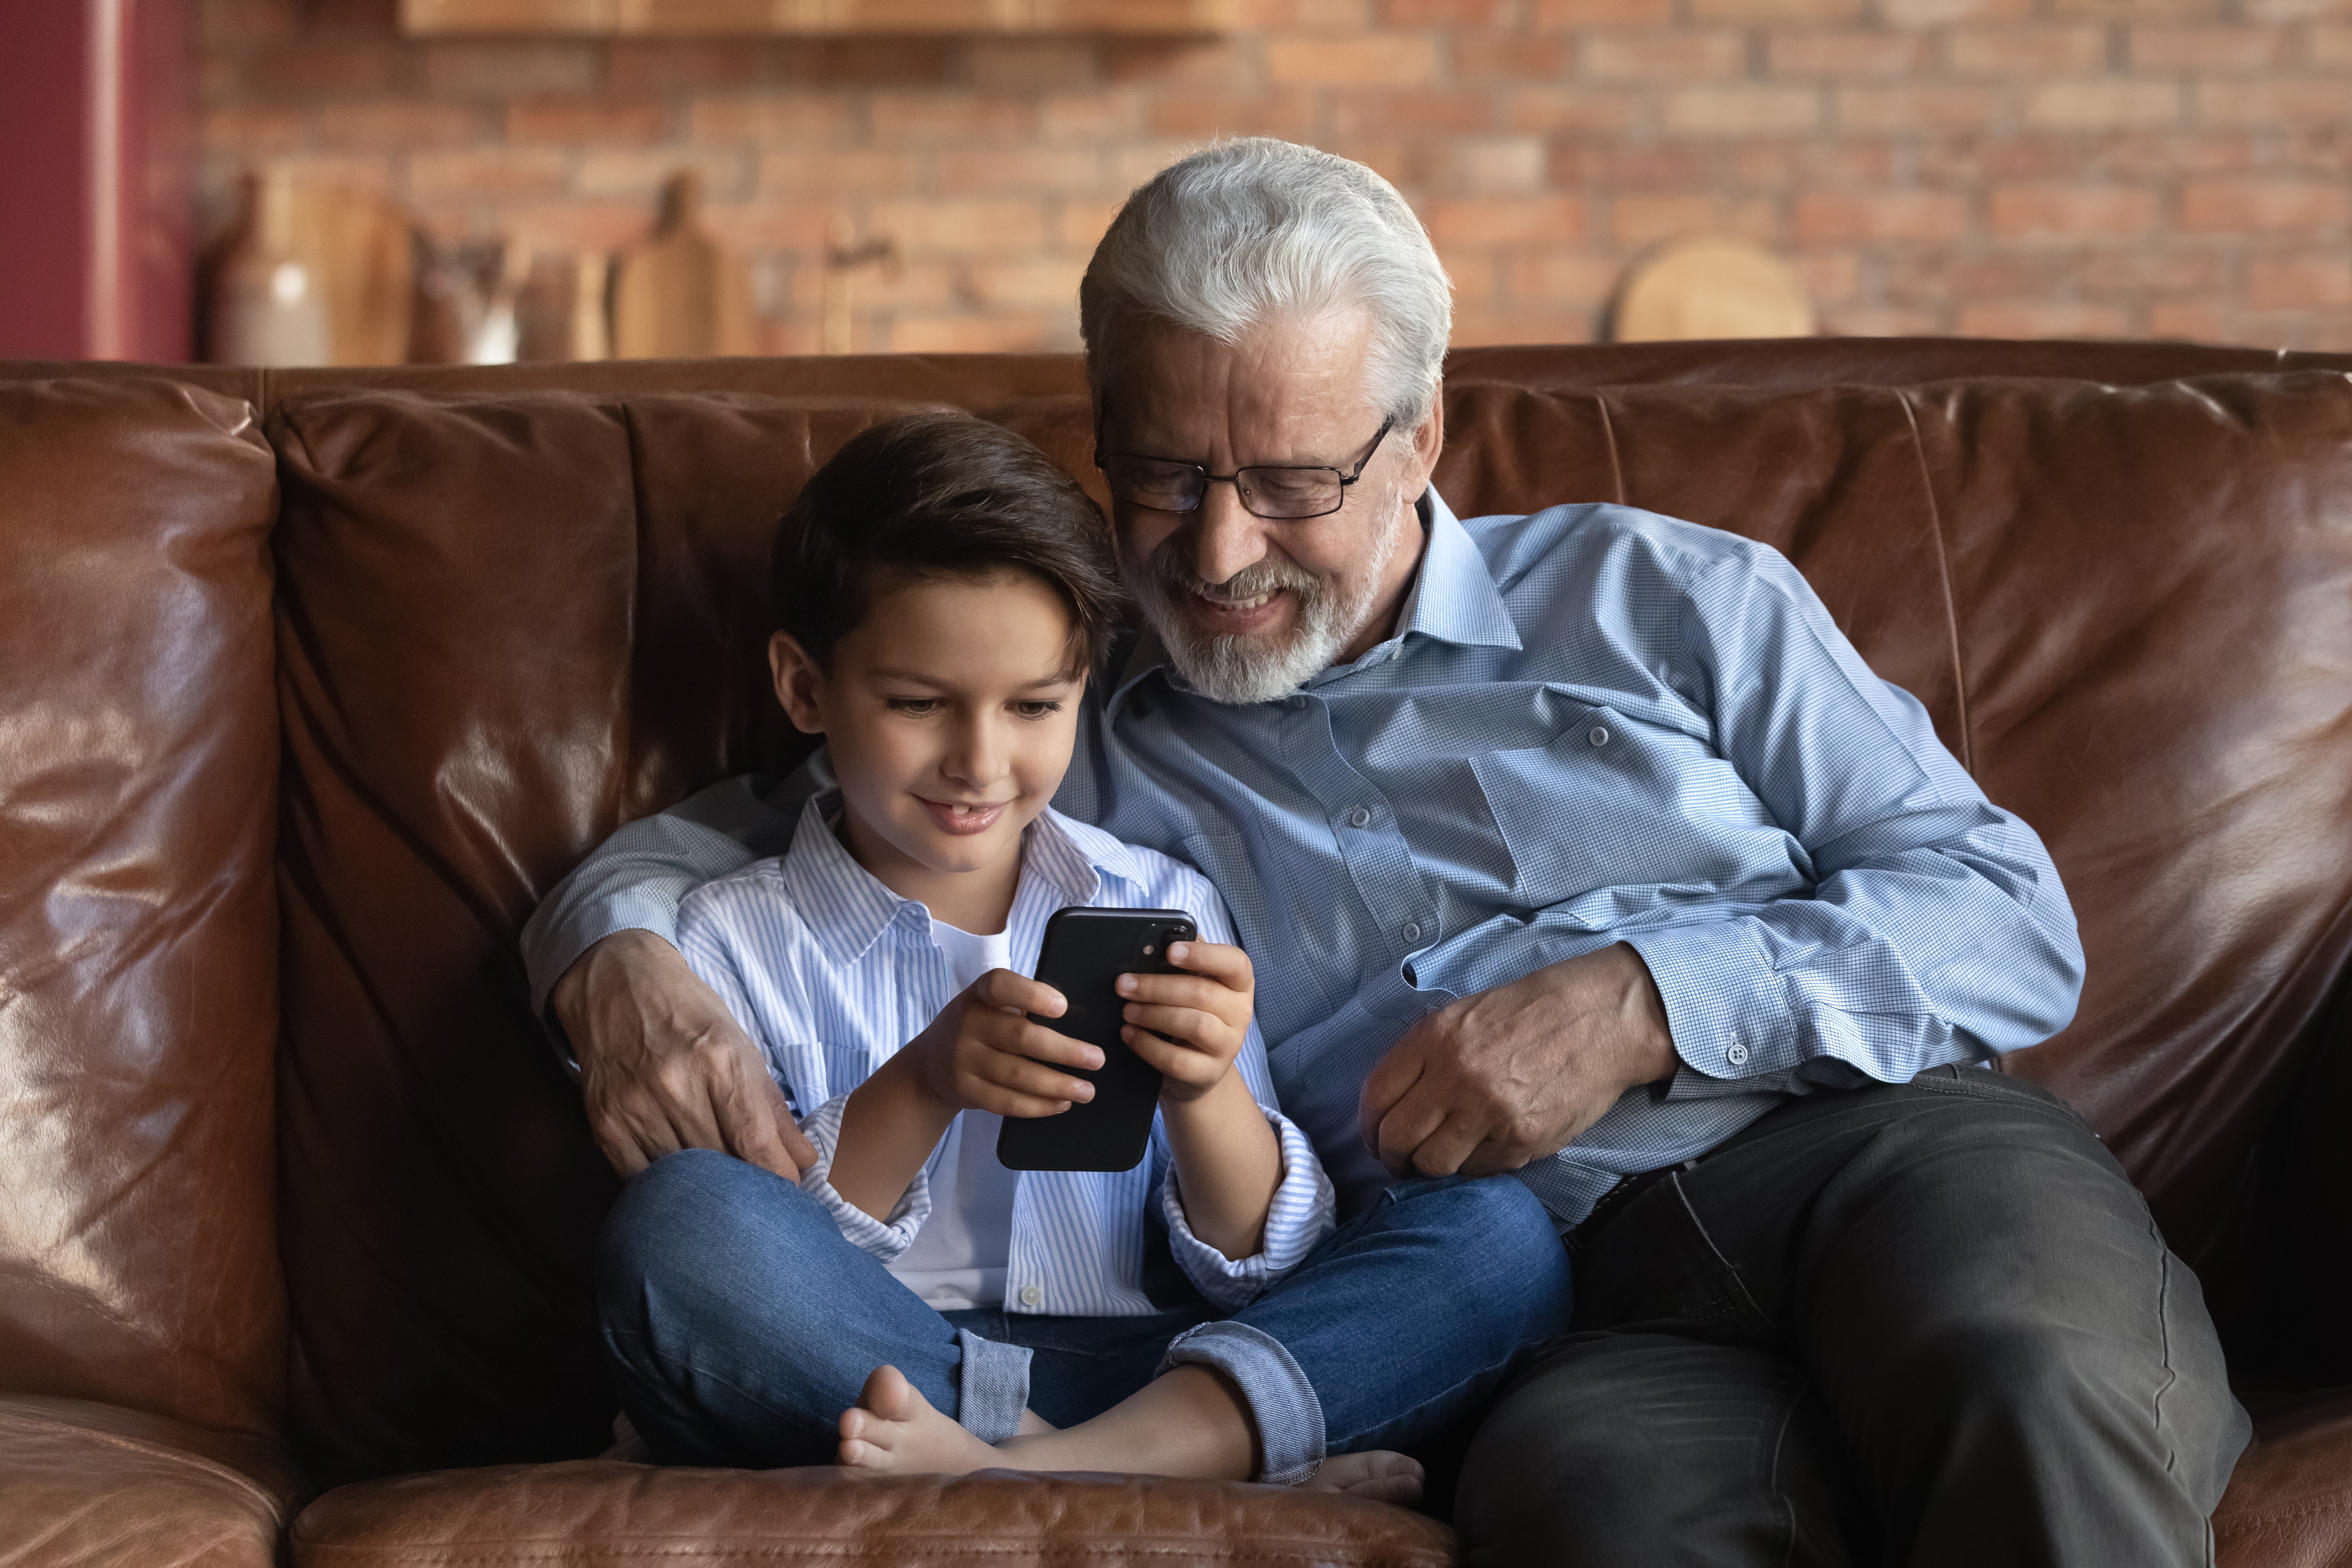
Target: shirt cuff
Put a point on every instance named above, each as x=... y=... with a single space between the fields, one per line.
x=883 y=1239
x=550 y=950
x=1303 y=1213
x=1726 y=1006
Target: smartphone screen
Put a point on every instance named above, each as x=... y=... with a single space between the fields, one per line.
x=1085 y=953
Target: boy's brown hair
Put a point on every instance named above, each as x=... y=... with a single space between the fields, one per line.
x=939 y=495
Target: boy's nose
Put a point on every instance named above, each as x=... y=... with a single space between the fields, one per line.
x=979 y=758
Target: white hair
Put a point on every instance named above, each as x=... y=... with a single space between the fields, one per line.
x=1246 y=229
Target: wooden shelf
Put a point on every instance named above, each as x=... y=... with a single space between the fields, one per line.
x=686 y=18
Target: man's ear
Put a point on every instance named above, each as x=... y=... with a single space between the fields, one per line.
x=800 y=684
x=1428 y=436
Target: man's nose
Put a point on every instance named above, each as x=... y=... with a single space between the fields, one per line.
x=1226 y=539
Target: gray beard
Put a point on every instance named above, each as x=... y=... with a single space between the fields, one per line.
x=1227 y=666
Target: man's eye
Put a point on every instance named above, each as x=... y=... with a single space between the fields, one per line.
x=917 y=707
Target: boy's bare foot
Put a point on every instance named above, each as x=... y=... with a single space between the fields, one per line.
x=1380 y=1475
x=893 y=1427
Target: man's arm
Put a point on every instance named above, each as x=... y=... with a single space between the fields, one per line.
x=1936 y=932
x=663 y=1065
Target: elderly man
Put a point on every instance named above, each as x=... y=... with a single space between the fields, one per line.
x=1581 y=846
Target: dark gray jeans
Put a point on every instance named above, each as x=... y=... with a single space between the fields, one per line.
x=1923 y=1324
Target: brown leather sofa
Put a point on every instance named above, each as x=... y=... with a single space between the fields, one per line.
x=312 y=683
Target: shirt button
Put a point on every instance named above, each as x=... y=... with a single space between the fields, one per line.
x=1030 y=1295
x=1598 y=734
x=1359 y=817
x=1735 y=1053
x=1412 y=931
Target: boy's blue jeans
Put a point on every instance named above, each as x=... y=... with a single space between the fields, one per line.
x=740 y=1325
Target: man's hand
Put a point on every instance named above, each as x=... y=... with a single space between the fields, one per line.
x=664 y=1066
x=1514 y=1074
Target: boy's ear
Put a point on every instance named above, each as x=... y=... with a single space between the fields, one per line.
x=800 y=684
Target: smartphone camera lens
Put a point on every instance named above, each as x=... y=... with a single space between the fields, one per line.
x=1147 y=950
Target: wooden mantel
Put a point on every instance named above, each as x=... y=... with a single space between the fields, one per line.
x=679 y=18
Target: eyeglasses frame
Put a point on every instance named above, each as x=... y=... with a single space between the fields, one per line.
x=1102 y=461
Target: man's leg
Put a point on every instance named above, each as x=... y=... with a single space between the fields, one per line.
x=740 y=1323
x=1955 y=1275
x=1655 y=1449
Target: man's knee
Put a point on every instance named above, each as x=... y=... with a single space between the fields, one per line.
x=1638 y=1448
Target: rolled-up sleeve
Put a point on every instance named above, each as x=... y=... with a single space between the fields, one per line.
x=1303 y=1213
x=883 y=1238
x=1936 y=932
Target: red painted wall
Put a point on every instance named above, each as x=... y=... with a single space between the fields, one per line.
x=94 y=251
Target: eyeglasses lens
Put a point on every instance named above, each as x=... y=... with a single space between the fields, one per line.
x=1272 y=493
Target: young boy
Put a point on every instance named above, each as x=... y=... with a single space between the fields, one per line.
x=944 y=594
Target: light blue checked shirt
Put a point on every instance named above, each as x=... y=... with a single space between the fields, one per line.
x=1593 y=724
x=831 y=973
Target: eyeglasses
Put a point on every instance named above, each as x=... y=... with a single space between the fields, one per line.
x=1280 y=493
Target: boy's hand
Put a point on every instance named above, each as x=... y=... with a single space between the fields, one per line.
x=1205 y=1013
x=982 y=1053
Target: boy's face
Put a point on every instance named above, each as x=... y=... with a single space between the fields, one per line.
x=949 y=712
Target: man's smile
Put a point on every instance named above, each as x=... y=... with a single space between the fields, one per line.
x=1238 y=616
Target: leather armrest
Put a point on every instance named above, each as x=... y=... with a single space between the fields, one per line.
x=97 y=1486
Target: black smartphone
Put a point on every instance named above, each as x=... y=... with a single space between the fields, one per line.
x=1084 y=953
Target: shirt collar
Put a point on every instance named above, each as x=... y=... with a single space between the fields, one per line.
x=1453 y=599
x=849 y=909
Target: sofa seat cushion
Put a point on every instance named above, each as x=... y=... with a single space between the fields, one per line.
x=101 y=1486
x=594 y=1513
x=2290 y=1500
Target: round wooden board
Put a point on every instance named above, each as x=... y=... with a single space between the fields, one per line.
x=1709 y=286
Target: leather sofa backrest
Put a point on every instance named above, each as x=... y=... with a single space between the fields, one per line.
x=138 y=941
x=510 y=622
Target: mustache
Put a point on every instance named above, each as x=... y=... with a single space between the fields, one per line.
x=1171 y=568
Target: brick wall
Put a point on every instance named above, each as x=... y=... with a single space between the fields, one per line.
x=2173 y=168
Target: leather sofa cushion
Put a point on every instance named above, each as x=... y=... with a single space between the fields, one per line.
x=101 y=1486
x=138 y=937
x=592 y=1514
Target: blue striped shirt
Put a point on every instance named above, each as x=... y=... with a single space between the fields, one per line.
x=831 y=973
x=1592 y=724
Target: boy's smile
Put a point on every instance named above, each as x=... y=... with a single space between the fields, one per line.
x=949 y=712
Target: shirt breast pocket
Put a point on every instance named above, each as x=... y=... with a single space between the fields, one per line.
x=1610 y=819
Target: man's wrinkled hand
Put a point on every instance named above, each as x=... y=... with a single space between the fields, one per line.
x=1493 y=1081
x=664 y=1066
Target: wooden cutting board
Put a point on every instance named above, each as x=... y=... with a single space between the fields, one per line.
x=1709 y=286
x=681 y=294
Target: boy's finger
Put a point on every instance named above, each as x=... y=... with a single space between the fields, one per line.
x=1219 y=961
x=1023 y=1039
x=1185 y=991
x=1001 y=988
x=1188 y=1025
x=1174 y=1058
x=1005 y=1102
x=1023 y=1076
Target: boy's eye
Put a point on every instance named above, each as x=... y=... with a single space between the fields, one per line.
x=918 y=707
x=1036 y=709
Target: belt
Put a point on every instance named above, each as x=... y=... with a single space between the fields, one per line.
x=1612 y=1202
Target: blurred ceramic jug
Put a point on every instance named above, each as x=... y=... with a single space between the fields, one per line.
x=269 y=308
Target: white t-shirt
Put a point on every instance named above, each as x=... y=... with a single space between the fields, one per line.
x=958 y=1259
